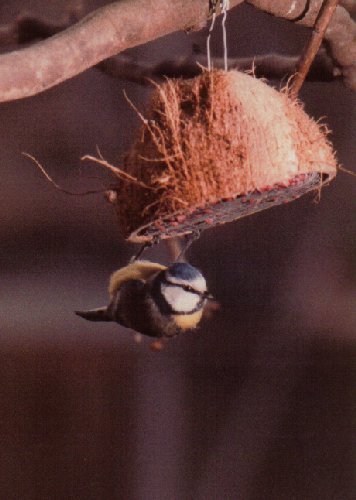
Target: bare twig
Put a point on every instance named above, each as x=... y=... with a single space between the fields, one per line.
x=271 y=66
x=340 y=35
x=324 y=17
x=56 y=185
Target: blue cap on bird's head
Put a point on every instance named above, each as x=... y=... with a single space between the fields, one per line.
x=183 y=270
x=182 y=273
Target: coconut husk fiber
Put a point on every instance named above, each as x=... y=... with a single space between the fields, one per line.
x=220 y=137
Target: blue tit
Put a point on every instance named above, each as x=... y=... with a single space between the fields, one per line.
x=155 y=300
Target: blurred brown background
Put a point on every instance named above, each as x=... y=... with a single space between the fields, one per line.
x=258 y=404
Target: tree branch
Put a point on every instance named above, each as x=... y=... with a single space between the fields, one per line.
x=341 y=32
x=322 y=21
x=127 y=23
x=101 y=34
x=271 y=66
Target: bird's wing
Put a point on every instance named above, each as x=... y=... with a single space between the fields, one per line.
x=138 y=270
x=127 y=306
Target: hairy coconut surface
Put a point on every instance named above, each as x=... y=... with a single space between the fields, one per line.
x=218 y=136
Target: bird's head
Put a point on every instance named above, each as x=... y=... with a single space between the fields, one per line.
x=184 y=290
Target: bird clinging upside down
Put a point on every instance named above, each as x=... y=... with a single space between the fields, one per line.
x=155 y=300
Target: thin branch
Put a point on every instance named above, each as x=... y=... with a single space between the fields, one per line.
x=340 y=35
x=271 y=66
x=322 y=21
x=57 y=186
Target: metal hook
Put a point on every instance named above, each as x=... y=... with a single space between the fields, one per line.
x=224 y=6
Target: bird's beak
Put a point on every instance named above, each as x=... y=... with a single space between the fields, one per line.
x=208 y=296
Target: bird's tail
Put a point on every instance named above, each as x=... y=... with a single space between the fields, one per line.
x=99 y=314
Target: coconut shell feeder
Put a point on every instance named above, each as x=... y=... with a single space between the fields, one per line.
x=213 y=149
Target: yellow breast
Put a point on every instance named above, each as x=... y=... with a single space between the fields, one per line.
x=186 y=321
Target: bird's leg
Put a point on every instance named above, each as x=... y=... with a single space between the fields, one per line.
x=189 y=239
x=144 y=247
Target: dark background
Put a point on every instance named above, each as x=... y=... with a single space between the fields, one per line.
x=257 y=404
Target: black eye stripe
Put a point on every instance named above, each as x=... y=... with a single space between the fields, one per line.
x=187 y=288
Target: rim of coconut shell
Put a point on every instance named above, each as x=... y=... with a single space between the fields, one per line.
x=185 y=222
x=304 y=158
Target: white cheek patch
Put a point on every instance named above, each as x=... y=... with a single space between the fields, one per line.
x=179 y=299
x=199 y=284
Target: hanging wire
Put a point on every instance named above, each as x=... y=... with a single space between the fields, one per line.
x=225 y=7
x=209 y=34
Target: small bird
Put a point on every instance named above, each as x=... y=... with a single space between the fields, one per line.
x=154 y=300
